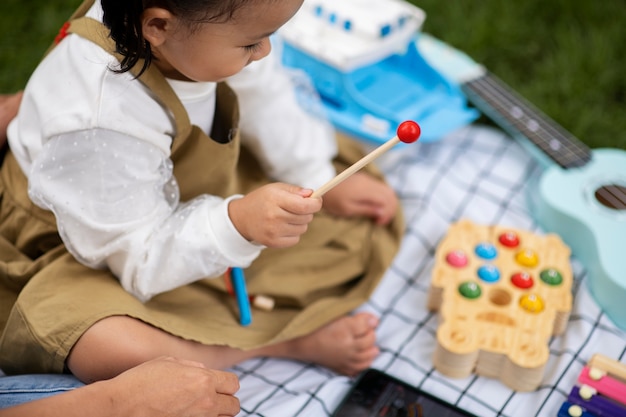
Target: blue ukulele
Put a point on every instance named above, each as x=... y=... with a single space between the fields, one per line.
x=581 y=194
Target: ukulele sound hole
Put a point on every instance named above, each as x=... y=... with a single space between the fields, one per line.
x=612 y=196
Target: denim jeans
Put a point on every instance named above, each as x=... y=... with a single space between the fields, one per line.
x=23 y=388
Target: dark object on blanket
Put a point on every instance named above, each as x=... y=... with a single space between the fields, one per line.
x=376 y=394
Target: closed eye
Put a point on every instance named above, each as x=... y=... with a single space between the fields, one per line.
x=253 y=47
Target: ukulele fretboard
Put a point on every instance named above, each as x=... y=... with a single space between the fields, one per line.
x=558 y=144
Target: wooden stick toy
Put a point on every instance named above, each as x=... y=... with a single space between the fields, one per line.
x=608 y=365
x=407 y=132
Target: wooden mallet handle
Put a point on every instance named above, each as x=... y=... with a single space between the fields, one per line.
x=407 y=132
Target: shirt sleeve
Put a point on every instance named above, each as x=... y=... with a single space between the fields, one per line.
x=117 y=206
x=293 y=144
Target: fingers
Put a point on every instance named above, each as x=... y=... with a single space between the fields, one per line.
x=297 y=201
x=305 y=192
x=289 y=215
x=381 y=211
x=225 y=382
x=367 y=208
x=228 y=405
x=362 y=195
x=226 y=385
x=182 y=361
x=275 y=215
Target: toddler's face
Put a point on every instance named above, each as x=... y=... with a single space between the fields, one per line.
x=215 y=51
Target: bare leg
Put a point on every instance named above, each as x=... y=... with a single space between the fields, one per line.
x=115 y=344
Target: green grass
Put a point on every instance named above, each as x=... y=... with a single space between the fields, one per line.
x=28 y=28
x=565 y=56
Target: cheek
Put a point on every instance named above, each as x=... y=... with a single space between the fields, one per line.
x=215 y=74
x=205 y=62
x=221 y=68
x=212 y=65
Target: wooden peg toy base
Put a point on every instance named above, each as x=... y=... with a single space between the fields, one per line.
x=501 y=293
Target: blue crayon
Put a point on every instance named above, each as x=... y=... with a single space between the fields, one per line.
x=238 y=282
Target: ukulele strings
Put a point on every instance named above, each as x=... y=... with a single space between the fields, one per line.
x=566 y=150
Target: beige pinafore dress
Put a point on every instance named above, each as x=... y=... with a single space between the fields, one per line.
x=48 y=299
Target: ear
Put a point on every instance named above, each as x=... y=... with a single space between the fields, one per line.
x=157 y=24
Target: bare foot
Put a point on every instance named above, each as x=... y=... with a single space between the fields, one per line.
x=346 y=345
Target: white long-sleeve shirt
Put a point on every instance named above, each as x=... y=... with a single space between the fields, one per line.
x=95 y=146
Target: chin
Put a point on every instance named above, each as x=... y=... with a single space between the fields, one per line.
x=219 y=78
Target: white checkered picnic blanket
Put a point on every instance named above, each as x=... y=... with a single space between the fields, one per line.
x=481 y=174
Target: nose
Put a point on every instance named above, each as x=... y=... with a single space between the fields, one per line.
x=264 y=50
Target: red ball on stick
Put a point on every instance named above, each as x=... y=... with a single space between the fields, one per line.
x=409 y=131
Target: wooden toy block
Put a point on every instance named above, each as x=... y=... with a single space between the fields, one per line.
x=602 y=384
x=501 y=293
x=573 y=410
x=609 y=366
x=600 y=390
x=597 y=405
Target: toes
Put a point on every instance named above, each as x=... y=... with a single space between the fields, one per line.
x=361 y=361
x=365 y=341
x=367 y=356
x=347 y=345
x=362 y=323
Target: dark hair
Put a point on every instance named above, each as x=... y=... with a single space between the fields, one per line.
x=123 y=18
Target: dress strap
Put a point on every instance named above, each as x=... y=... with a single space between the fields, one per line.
x=152 y=78
x=82 y=9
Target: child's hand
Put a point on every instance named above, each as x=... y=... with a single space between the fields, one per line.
x=274 y=215
x=362 y=195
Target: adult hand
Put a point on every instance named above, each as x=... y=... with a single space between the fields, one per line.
x=9 y=103
x=362 y=195
x=171 y=387
x=275 y=215
x=162 y=387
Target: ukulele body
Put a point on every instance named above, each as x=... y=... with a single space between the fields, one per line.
x=567 y=203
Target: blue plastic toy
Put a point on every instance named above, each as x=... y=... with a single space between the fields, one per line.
x=364 y=63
